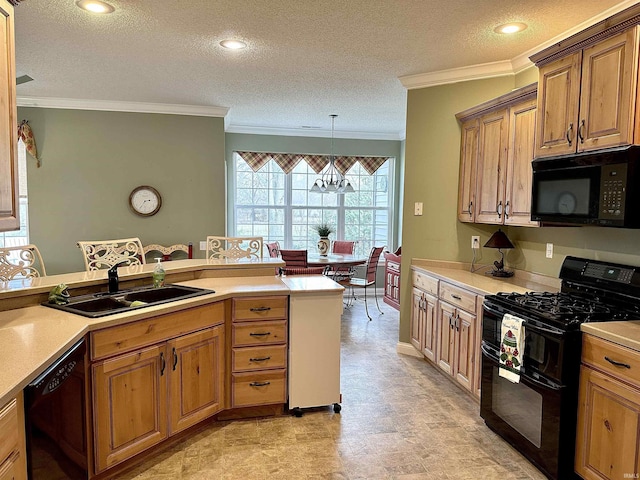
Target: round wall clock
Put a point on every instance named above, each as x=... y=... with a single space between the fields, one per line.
x=145 y=201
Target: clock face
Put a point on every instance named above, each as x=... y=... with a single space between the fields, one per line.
x=566 y=203
x=145 y=201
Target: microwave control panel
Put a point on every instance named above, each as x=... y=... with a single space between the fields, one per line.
x=613 y=181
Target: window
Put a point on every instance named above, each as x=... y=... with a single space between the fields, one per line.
x=19 y=237
x=279 y=206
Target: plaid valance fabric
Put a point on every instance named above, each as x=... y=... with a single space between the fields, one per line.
x=288 y=161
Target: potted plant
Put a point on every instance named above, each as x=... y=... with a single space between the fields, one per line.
x=324 y=230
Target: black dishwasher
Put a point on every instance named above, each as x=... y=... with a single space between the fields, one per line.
x=56 y=420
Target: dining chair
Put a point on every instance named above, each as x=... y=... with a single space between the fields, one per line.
x=347 y=247
x=368 y=280
x=100 y=254
x=233 y=247
x=273 y=248
x=22 y=261
x=296 y=263
x=168 y=252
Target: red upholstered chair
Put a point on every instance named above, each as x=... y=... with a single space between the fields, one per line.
x=340 y=274
x=369 y=279
x=296 y=263
x=273 y=249
x=343 y=246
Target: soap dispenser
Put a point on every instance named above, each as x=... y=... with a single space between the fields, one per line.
x=158 y=274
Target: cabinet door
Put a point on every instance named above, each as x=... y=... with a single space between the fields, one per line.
x=558 y=99
x=463 y=367
x=417 y=319
x=446 y=336
x=430 y=327
x=522 y=127
x=196 y=377
x=609 y=80
x=12 y=469
x=8 y=124
x=130 y=404
x=492 y=160
x=468 y=159
x=608 y=446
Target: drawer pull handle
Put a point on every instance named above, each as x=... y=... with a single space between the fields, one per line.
x=457 y=297
x=617 y=364
x=260 y=359
x=260 y=309
x=175 y=359
x=260 y=334
x=163 y=364
x=259 y=384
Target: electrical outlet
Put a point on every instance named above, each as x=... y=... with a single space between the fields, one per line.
x=203 y=246
x=417 y=208
x=549 y=250
x=475 y=242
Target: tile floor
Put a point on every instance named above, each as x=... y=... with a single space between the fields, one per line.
x=400 y=419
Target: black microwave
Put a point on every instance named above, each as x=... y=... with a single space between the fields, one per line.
x=594 y=188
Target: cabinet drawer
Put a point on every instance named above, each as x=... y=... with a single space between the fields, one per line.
x=393 y=266
x=601 y=354
x=9 y=427
x=141 y=333
x=259 y=333
x=259 y=308
x=259 y=358
x=459 y=297
x=259 y=388
x=425 y=282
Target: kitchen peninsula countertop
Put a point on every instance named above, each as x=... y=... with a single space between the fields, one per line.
x=33 y=337
x=483 y=284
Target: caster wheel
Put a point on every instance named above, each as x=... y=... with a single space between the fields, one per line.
x=337 y=407
x=297 y=412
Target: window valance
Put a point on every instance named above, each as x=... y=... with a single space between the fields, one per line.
x=288 y=161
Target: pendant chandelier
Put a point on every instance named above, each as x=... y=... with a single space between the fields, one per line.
x=331 y=180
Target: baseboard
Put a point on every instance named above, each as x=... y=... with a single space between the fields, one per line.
x=407 y=349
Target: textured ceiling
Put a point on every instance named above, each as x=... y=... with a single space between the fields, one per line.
x=306 y=59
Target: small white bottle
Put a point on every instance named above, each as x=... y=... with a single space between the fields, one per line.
x=158 y=274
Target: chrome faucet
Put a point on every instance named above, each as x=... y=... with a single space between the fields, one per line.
x=112 y=274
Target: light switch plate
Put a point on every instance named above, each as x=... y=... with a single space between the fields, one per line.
x=203 y=246
x=549 y=250
x=418 y=208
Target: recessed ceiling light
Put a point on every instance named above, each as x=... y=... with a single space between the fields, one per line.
x=95 y=6
x=233 y=44
x=510 y=27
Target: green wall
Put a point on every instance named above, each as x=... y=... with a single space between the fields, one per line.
x=431 y=176
x=311 y=145
x=92 y=160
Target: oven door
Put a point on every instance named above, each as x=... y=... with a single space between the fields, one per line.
x=529 y=415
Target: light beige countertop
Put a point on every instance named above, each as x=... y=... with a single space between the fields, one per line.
x=626 y=333
x=35 y=336
x=483 y=284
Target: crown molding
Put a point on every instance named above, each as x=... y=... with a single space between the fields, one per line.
x=110 y=106
x=506 y=67
x=313 y=132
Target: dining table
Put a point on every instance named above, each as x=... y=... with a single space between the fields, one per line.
x=335 y=260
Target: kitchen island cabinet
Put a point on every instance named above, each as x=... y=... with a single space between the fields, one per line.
x=13 y=457
x=9 y=205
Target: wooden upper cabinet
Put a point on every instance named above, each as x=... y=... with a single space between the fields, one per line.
x=587 y=93
x=468 y=160
x=492 y=161
x=608 y=99
x=495 y=159
x=522 y=123
x=558 y=91
x=9 y=206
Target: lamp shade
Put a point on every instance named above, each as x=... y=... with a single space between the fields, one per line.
x=499 y=240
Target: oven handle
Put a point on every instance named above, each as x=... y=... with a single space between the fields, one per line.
x=523 y=376
x=550 y=330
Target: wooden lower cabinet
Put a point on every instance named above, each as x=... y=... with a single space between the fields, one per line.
x=446 y=337
x=416 y=330
x=130 y=404
x=430 y=327
x=196 y=377
x=608 y=433
x=13 y=463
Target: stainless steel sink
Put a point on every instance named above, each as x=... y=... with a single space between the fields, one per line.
x=101 y=304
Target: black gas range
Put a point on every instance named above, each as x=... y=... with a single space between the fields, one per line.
x=538 y=414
